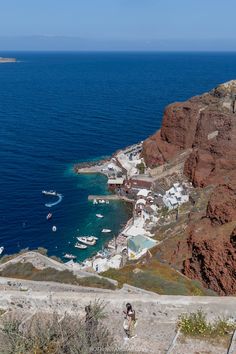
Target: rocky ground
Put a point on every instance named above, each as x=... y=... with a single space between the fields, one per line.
x=204 y=127
x=157 y=315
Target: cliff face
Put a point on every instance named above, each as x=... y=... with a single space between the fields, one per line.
x=205 y=124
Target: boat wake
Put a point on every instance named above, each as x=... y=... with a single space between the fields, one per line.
x=49 y=205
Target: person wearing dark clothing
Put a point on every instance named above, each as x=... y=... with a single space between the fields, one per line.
x=130 y=321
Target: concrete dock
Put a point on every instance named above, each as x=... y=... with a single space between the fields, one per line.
x=110 y=197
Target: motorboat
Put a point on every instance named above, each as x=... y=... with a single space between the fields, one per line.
x=100 y=216
x=54 y=228
x=80 y=246
x=95 y=201
x=101 y=201
x=89 y=240
x=1 y=250
x=107 y=201
x=69 y=256
x=49 y=216
x=49 y=192
x=106 y=230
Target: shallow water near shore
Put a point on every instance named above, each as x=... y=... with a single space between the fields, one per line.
x=57 y=109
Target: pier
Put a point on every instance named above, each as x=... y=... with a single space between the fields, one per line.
x=110 y=197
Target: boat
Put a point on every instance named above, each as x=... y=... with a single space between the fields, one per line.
x=90 y=240
x=54 y=228
x=49 y=216
x=49 y=192
x=101 y=201
x=95 y=201
x=1 y=250
x=99 y=216
x=107 y=201
x=69 y=256
x=78 y=245
x=106 y=230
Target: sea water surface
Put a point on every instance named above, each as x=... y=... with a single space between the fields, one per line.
x=57 y=109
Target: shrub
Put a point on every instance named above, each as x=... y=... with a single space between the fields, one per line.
x=196 y=324
x=58 y=334
x=141 y=167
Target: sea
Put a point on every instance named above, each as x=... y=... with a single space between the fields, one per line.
x=61 y=108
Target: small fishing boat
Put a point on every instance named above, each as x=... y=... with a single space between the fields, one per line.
x=49 y=216
x=1 y=250
x=90 y=240
x=54 y=228
x=106 y=230
x=69 y=256
x=100 y=216
x=82 y=247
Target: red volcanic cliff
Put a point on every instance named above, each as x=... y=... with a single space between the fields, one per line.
x=206 y=125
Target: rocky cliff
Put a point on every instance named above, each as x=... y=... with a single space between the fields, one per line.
x=206 y=125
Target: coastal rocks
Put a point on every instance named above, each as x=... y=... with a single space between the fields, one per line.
x=221 y=207
x=213 y=256
x=206 y=126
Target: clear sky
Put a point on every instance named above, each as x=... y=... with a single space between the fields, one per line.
x=140 y=23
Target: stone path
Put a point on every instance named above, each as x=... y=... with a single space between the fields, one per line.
x=157 y=315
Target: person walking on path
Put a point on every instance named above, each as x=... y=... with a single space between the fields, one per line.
x=130 y=321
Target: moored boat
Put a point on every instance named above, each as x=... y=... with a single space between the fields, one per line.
x=49 y=216
x=95 y=201
x=1 y=250
x=90 y=240
x=69 y=256
x=99 y=216
x=106 y=230
x=54 y=228
x=80 y=246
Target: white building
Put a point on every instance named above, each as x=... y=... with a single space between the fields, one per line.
x=175 y=196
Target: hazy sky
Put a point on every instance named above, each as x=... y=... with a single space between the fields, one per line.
x=141 y=22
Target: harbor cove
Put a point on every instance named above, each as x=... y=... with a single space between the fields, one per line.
x=87 y=106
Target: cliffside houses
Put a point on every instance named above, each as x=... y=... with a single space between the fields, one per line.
x=176 y=196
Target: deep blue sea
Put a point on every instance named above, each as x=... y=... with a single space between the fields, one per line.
x=60 y=108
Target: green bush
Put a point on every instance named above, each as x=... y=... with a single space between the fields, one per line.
x=196 y=324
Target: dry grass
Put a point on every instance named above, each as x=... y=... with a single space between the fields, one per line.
x=54 y=334
x=157 y=277
x=28 y=272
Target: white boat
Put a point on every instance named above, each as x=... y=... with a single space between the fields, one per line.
x=107 y=201
x=95 y=201
x=99 y=216
x=78 y=245
x=1 y=250
x=106 y=230
x=49 y=216
x=54 y=228
x=90 y=240
x=101 y=201
x=69 y=256
x=49 y=192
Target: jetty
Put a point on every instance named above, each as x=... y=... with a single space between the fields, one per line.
x=110 y=197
